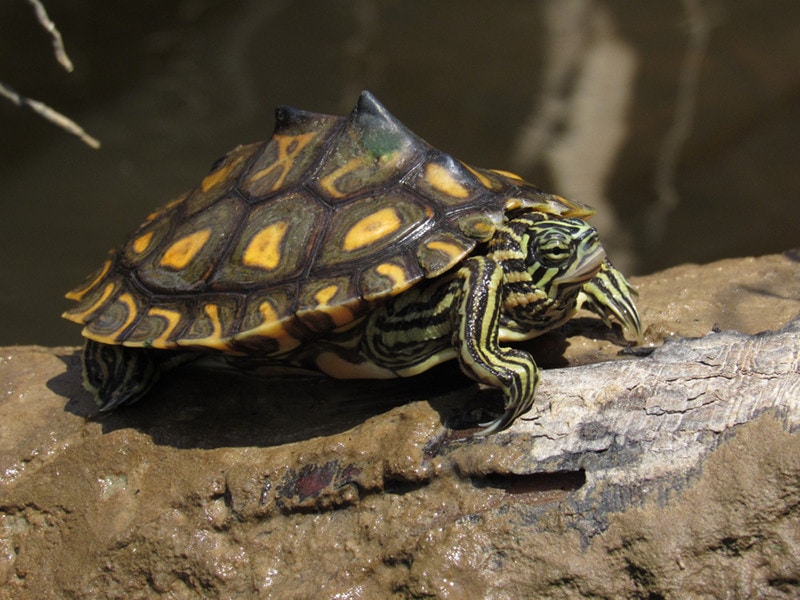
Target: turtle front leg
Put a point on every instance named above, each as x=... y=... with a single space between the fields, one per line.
x=476 y=324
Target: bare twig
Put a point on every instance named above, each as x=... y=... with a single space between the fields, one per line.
x=50 y=27
x=50 y=114
x=40 y=108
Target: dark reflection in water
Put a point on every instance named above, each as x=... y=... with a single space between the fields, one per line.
x=678 y=120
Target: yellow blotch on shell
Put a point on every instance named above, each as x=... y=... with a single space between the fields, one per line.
x=211 y=341
x=328 y=183
x=112 y=337
x=482 y=230
x=394 y=272
x=453 y=251
x=371 y=229
x=130 y=305
x=141 y=243
x=442 y=180
x=271 y=328
x=213 y=179
x=267 y=312
x=485 y=181
x=289 y=147
x=212 y=312
x=157 y=213
x=79 y=293
x=181 y=253
x=326 y=294
x=172 y=318
x=508 y=174
x=264 y=249
x=81 y=316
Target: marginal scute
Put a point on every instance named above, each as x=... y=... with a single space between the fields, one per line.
x=157 y=327
x=324 y=296
x=119 y=312
x=265 y=321
x=480 y=227
x=92 y=300
x=93 y=280
x=339 y=307
x=441 y=250
x=390 y=277
x=211 y=324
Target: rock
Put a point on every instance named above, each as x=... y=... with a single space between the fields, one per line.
x=668 y=472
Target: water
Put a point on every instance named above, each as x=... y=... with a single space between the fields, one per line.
x=678 y=121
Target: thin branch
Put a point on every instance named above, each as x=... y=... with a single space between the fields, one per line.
x=55 y=34
x=50 y=114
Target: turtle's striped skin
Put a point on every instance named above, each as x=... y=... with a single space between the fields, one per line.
x=352 y=247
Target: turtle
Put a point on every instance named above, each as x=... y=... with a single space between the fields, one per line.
x=351 y=247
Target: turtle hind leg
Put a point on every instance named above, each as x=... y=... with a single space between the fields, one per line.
x=117 y=375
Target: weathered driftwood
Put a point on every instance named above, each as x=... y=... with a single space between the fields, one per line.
x=644 y=426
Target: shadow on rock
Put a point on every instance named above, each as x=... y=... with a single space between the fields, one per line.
x=199 y=408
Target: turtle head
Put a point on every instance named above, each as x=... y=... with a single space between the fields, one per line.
x=546 y=261
x=561 y=255
x=551 y=266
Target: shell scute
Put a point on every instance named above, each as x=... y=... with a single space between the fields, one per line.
x=371 y=227
x=440 y=250
x=268 y=321
x=159 y=326
x=390 y=277
x=213 y=321
x=111 y=309
x=273 y=244
x=285 y=160
x=188 y=257
x=372 y=153
x=221 y=181
x=446 y=181
x=326 y=303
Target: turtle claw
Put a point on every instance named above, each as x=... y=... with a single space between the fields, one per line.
x=610 y=296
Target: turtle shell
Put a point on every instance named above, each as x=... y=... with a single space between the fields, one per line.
x=299 y=235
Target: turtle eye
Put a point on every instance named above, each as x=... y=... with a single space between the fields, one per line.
x=553 y=250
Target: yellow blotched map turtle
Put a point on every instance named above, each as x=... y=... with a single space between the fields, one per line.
x=351 y=247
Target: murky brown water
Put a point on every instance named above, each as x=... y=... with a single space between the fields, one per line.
x=679 y=120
